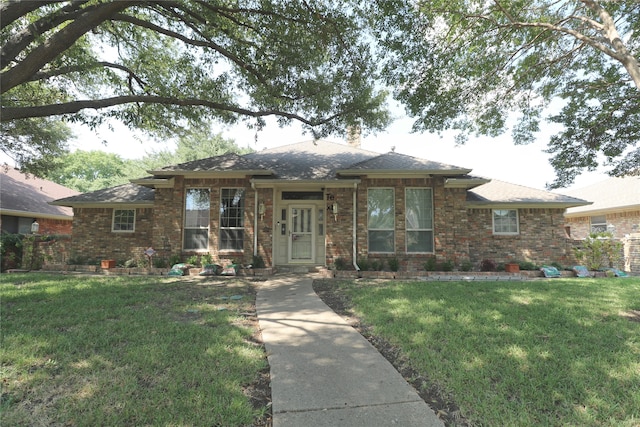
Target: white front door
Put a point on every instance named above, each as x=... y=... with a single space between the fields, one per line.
x=301 y=234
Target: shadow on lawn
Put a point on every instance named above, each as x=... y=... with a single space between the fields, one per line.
x=525 y=353
x=128 y=350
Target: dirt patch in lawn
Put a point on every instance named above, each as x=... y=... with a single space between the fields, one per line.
x=632 y=315
x=439 y=400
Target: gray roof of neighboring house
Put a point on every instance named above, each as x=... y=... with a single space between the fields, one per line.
x=27 y=195
x=125 y=194
x=498 y=192
x=610 y=195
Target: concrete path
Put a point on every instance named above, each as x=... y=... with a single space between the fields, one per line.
x=323 y=372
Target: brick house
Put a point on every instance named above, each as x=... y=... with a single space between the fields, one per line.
x=24 y=199
x=314 y=203
x=615 y=208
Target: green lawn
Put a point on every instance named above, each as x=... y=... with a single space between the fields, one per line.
x=544 y=352
x=96 y=350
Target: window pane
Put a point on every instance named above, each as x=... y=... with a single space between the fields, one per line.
x=196 y=238
x=505 y=221
x=419 y=212
x=197 y=203
x=419 y=241
x=381 y=241
x=380 y=209
x=232 y=218
x=123 y=220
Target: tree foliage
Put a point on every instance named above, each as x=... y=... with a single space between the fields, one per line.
x=466 y=65
x=93 y=170
x=163 y=65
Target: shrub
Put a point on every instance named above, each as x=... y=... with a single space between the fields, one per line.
x=527 y=266
x=394 y=264
x=598 y=250
x=446 y=266
x=340 y=264
x=206 y=259
x=193 y=260
x=160 y=262
x=430 y=264
x=258 y=262
x=363 y=264
x=174 y=259
x=488 y=265
x=466 y=266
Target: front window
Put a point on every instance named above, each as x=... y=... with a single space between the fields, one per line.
x=381 y=220
x=505 y=221
x=419 y=219
x=599 y=224
x=196 y=219
x=124 y=220
x=232 y=219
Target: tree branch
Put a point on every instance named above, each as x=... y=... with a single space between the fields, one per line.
x=11 y=10
x=15 y=113
x=81 y=68
x=59 y=42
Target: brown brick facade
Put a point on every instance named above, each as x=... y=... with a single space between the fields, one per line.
x=624 y=223
x=460 y=234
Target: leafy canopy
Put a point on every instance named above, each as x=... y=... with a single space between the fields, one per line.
x=467 y=65
x=161 y=66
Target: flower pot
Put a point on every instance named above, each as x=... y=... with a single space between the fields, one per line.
x=108 y=263
x=512 y=268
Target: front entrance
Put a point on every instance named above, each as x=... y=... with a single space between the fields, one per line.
x=301 y=238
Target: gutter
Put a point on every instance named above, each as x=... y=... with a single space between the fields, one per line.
x=355 y=226
x=255 y=220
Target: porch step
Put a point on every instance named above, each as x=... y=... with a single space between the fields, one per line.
x=300 y=269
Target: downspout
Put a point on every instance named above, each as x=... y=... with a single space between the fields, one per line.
x=355 y=226
x=255 y=220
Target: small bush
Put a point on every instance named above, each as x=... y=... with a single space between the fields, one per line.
x=340 y=264
x=363 y=263
x=174 y=259
x=557 y=265
x=160 y=262
x=394 y=264
x=527 y=266
x=446 y=266
x=466 y=266
x=258 y=262
x=488 y=265
x=194 y=260
x=206 y=259
x=430 y=264
x=377 y=265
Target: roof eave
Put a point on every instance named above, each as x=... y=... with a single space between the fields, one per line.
x=154 y=182
x=521 y=205
x=467 y=183
x=26 y=214
x=601 y=211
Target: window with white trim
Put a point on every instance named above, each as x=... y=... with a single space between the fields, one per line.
x=381 y=220
x=232 y=219
x=505 y=221
x=124 y=221
x=599 y=224
x=196 y=219
x=419 y=220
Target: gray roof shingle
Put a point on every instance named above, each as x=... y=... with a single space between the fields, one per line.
x=613 y=194
x=498 y=192
x=132 y=194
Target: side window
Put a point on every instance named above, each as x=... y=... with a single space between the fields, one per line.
x=419 y=220
x=232 y=219
x=124 y=220
x=505 y=221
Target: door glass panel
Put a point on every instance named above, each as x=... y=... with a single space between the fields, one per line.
x=301 y=234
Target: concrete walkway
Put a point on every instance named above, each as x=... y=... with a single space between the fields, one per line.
x=323 y=372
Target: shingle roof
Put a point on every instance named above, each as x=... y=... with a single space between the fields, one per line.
x=498 y=192
x=29 y=195
x=225 y=162
x=131 y=194
x=310 y=160
x=612 y=194
x=401 y=162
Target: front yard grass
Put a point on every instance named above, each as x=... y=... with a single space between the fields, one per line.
x=544 y=352
x=96 y=350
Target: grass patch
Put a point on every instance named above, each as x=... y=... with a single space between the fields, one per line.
x=557 y=352
x=90 y=350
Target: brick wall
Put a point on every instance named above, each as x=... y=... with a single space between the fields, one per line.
x=93 y=238
x=54 y=226
x=625 y=223
x=541 y=240
x=339 y=232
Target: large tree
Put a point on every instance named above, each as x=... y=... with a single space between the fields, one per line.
x=469 y=65
x=162 y=65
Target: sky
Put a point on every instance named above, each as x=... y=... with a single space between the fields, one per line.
x=496 y=158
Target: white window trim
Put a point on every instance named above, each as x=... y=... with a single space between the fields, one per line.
x=220 y=227
x=407 y=230
x=113 y=221
x=184 y=219
x=393 y=214
x=502 y=233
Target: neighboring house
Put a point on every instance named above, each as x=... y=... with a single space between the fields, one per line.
x=615 y=208
x=24 y=199
x=313 y=203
